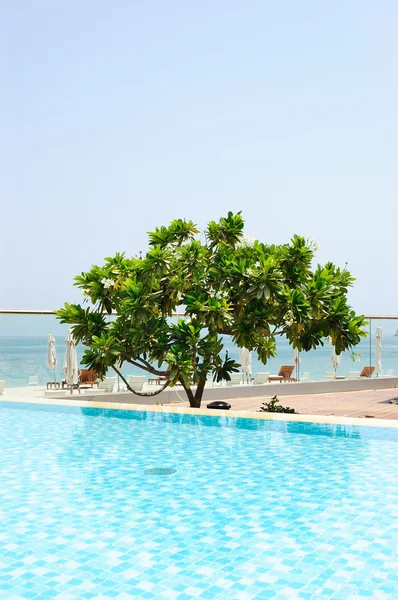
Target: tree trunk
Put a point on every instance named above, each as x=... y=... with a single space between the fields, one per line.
x=197 y=399
x=188 y=392
x=194 y=403
x=194 y=400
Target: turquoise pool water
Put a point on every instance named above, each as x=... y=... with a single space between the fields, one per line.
x=249 y=509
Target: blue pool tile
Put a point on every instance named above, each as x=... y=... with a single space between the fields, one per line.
x=287 y=508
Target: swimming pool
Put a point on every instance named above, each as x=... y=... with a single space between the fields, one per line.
x=249 y=509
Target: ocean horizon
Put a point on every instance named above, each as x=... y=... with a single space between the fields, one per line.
x=23 y=356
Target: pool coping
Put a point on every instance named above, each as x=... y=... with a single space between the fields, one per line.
x=304 y=418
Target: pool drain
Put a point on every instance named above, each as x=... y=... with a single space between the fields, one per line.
x=160 y=471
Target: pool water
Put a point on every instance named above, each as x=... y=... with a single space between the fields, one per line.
x=122 y=504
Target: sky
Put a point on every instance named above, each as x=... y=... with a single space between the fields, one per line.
x=118 y=117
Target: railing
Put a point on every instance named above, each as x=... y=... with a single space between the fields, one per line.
x=24 y=334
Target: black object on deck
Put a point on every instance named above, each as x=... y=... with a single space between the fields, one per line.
x=219 y=404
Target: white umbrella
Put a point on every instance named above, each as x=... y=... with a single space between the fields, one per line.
x=118 y=366
x=245 y=359
x=335 y=359
x=379 y=337
x=297 y=360
x=71 y=369
x=52 y=355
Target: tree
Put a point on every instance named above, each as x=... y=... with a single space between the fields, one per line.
x=227 y=285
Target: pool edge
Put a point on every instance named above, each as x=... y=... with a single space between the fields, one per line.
x=303 y=418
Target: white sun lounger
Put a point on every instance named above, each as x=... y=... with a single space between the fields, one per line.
x=330 y=375
x=236 y=379
x=352 y=374
x=107 y=384
x=390 y=373
x=136 y=382
x=260 y=378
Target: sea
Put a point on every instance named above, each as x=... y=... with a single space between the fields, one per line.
x=23 y=352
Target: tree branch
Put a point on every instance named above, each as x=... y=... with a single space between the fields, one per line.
x=224 y=331
x=148 y=365
x=145 y=394
x=148 y=368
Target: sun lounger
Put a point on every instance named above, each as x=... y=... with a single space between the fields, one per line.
x=107 y=384
x=236 y=379
x=33 y=380
x=285 y=374
x=88 y=377
x=2 y=384
x=352 y=375
x=390 y=373
x=260 y=378
x=136 y=382
x=305 y=377
x=367 y=372
x=330 y=375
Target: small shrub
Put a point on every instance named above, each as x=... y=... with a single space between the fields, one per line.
x=274 y=407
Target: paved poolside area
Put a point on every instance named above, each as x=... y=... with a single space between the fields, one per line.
x=365 y=403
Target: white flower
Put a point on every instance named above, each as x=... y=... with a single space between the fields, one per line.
x=107 y=283
x=257 y=264
x=289 y=318
x=249 y=272
x=313 y=245
x=356 y=357
x=245 y=241
x=219 y=295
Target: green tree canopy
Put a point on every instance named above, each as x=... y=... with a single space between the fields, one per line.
x=225 y=284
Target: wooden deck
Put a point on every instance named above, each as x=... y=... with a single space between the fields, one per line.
x=366 y=404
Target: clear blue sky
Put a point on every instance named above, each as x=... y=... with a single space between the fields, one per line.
x=118 y=116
